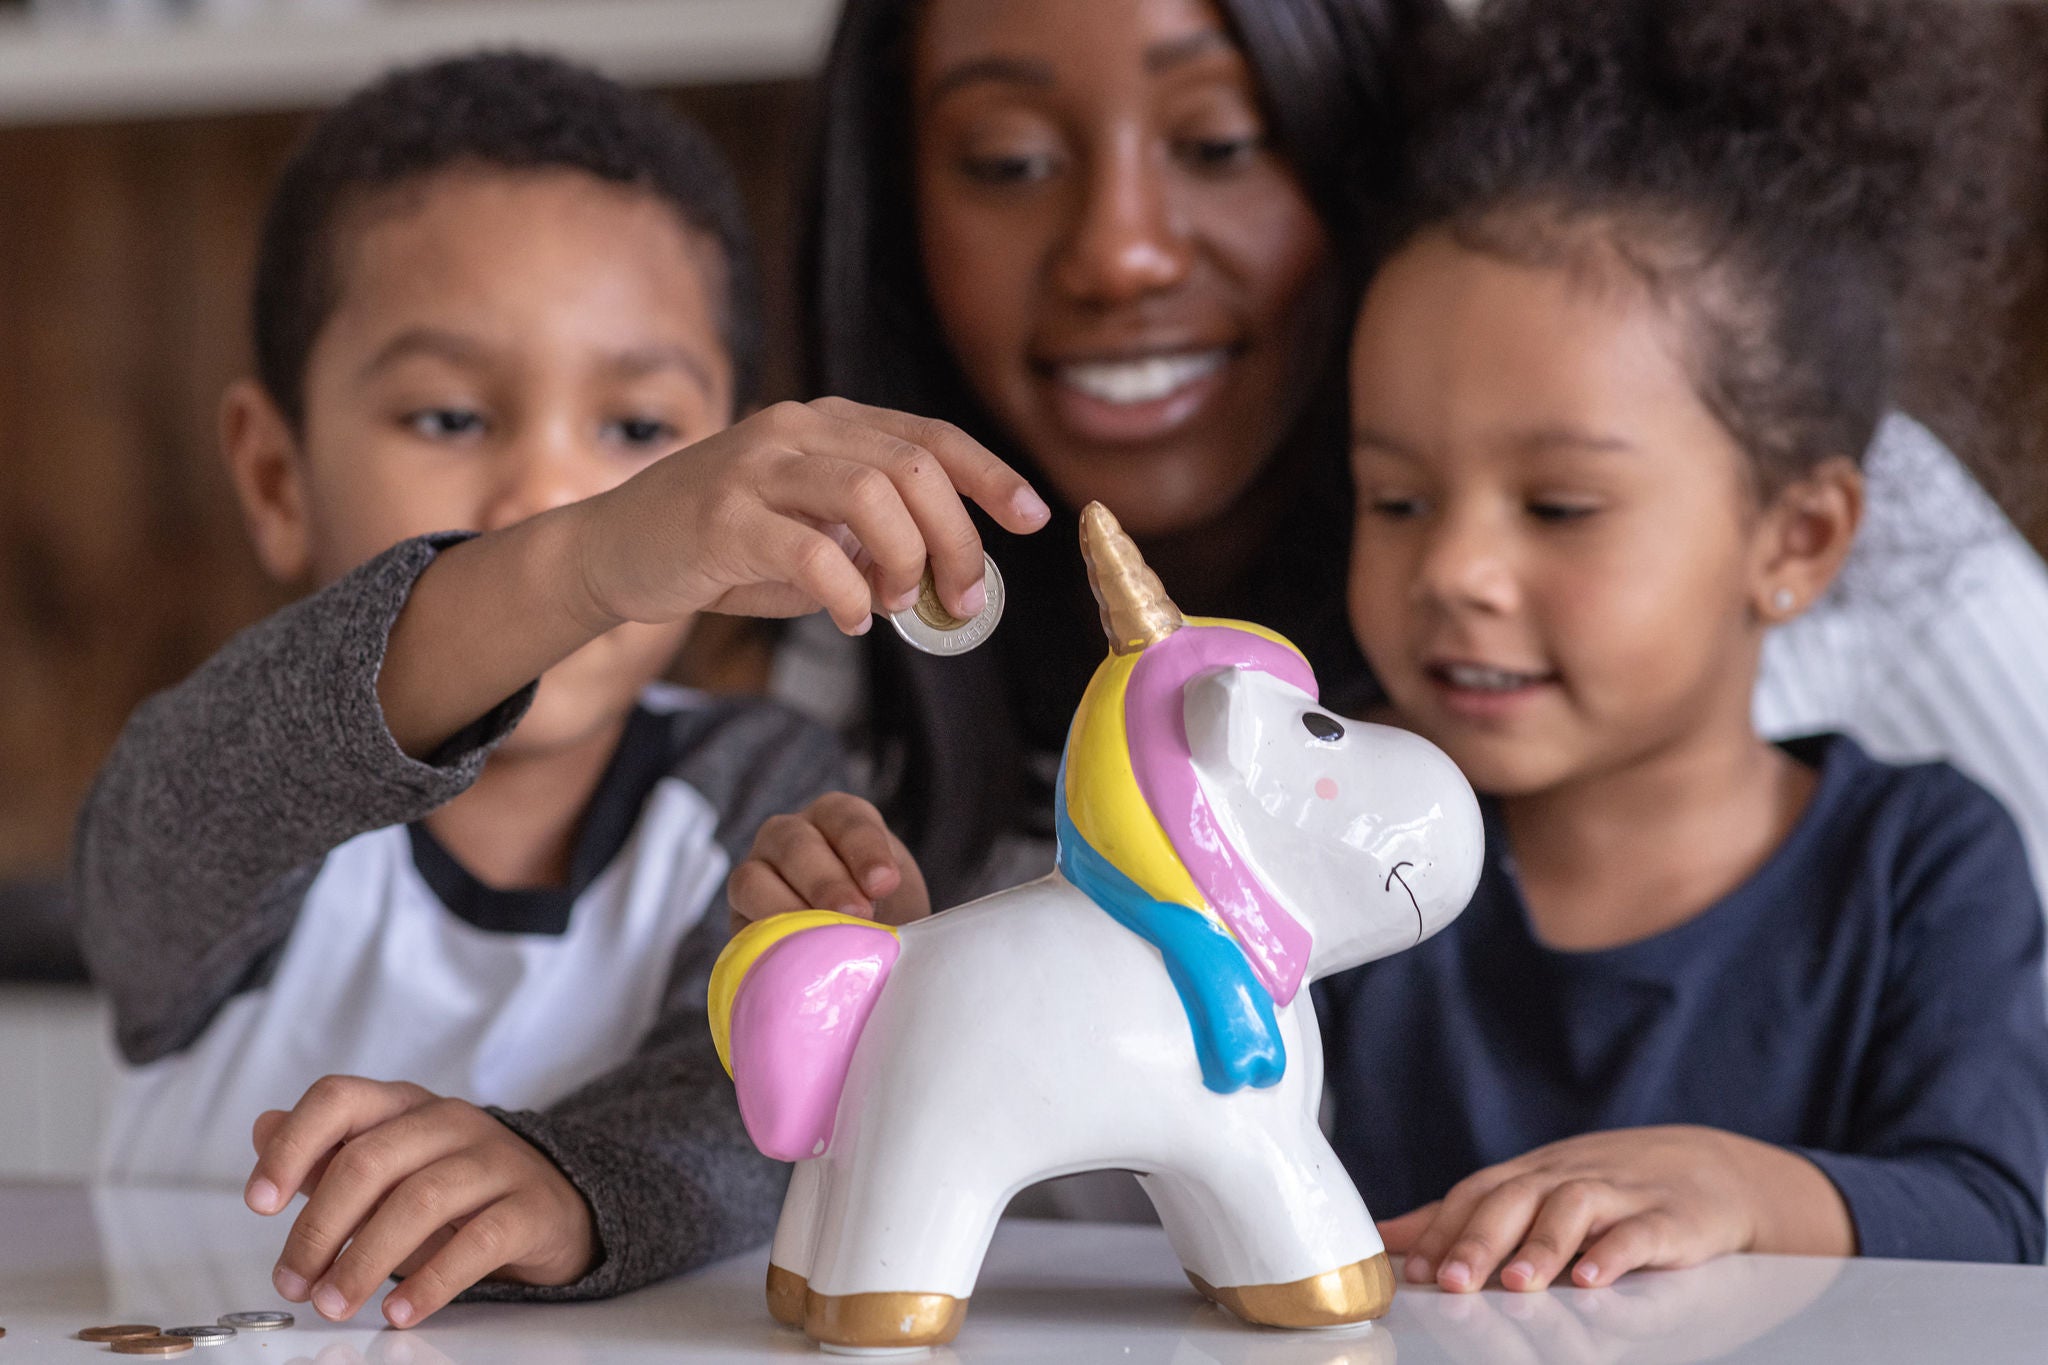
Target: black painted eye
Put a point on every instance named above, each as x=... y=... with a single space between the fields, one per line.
x=1322 y=727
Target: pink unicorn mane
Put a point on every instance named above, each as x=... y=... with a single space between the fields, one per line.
x=1276 y=943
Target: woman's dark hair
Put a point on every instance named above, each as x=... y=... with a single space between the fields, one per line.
x=1740 y=160
x=503 y=110
x=953 y=743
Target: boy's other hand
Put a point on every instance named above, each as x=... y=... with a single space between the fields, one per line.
x=1625 y=1200
x=837 y=854
x=402 y=1181
x=829 y=504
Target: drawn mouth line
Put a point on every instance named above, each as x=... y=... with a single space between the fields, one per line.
x=1395 y=876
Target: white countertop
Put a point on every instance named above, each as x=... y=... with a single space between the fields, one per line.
x=1072 y=1292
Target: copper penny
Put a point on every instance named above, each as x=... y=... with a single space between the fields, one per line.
x=152 y=1346
x=120 y=1332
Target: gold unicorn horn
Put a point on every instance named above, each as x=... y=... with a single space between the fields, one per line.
x=1136 y=611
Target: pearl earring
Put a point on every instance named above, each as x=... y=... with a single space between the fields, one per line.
x=1782 y=600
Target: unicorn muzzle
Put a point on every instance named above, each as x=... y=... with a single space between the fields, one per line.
x=1432 y=854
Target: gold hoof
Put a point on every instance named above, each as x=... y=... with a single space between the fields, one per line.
x=786 y=1291
x=1352 y=1293
x=879 y=1321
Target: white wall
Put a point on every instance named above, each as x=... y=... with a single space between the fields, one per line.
x=56 y=1074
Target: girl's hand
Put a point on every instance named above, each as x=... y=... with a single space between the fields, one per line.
x=836 y=855
x=1628 y=1199
x=401 y=1181
x=827 y=504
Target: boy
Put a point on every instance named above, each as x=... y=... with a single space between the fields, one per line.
x=491 y=294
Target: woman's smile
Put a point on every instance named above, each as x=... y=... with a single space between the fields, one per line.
x=1135 y=397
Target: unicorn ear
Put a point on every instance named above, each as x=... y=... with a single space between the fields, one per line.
x=1223 y=728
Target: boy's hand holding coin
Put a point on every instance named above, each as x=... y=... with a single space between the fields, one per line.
x=829 y=504
x=400 y=1181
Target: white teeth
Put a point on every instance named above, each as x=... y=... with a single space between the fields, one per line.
x=1483 y=679
x=1141 y=381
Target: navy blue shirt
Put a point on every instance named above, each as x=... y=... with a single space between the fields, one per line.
x=1871 y=998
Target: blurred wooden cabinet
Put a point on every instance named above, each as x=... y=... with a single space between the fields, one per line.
x=124 y=257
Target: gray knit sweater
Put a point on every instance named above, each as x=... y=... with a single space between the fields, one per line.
x=225 y=794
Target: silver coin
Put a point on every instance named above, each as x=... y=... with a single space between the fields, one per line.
x=930 y=627
x=202 y=1336
x=256 y=1322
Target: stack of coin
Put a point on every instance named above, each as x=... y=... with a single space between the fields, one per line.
x=256 y=1322
x=142 y=1339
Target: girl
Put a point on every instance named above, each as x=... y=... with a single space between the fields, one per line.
x=1608 y=392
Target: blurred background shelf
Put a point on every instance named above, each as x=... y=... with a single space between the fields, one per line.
x=68 y=71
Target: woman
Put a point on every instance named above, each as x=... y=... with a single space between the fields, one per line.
x=1112 y=241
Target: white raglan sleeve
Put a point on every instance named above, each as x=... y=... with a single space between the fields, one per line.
x=1935 y=642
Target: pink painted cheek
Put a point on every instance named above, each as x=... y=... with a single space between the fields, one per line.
x=1326 y=788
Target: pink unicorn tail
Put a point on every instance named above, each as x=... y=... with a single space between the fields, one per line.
x=789 y=998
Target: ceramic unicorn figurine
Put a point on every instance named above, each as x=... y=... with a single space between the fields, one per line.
x=1222 y=842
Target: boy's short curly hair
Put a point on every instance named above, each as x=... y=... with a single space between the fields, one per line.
x=1735 y=157
x=507 y=110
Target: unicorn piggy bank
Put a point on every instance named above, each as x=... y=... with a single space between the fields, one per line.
x=1222 y=843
